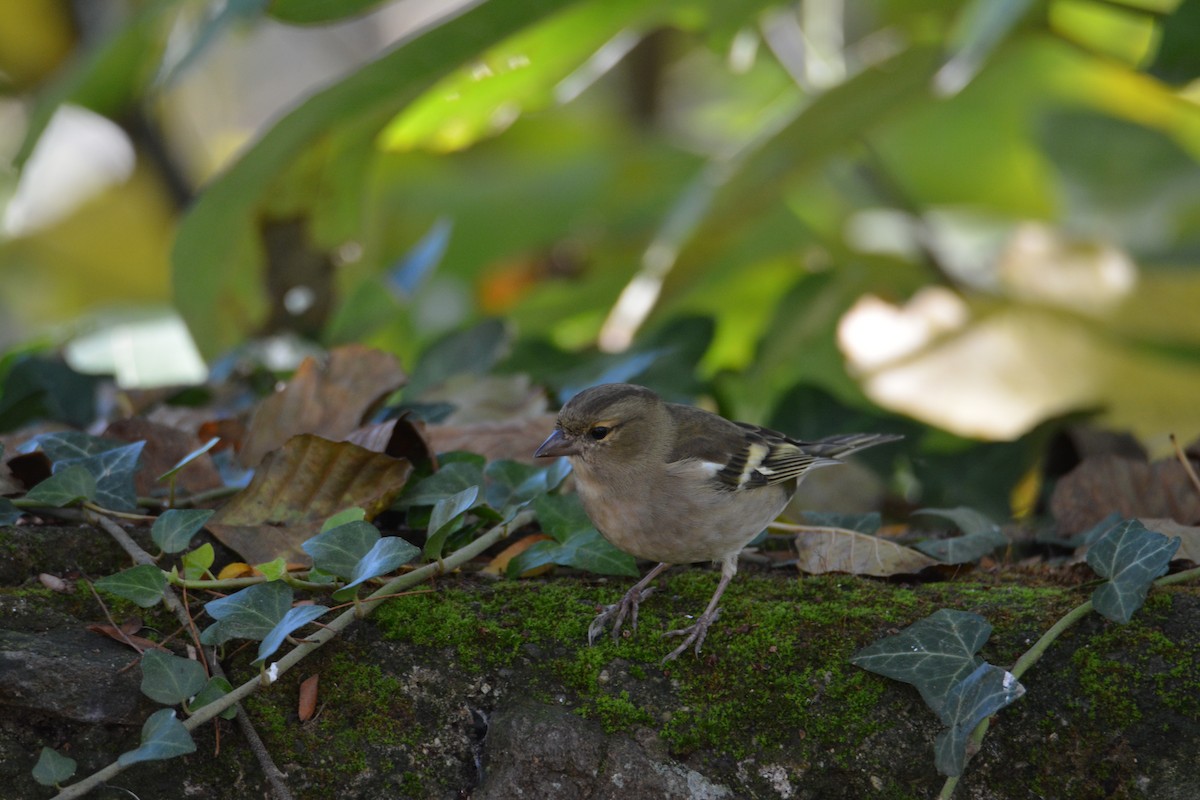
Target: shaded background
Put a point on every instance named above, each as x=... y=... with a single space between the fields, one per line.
x=976 y=225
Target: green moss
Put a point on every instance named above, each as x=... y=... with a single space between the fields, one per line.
x=616 y=712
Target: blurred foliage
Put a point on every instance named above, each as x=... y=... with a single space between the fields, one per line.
x=981 y=216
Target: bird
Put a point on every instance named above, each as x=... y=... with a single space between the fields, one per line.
x=676 y=484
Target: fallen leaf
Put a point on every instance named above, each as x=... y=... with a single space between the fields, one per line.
x=165 y=447
x=126 y=637
x=329 y=400
x=236 y=569
x=512 y=439
x=308 y=698
x=296 y=488
x=1131 y=488
x=399 y=438
x=499 y=563
x=841 y=550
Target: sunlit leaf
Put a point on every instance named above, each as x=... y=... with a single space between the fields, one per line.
x=142 y=584
x=169 y=679
x=293 y=620
x=163 y=736
x=198 y=562
x=1131 y=557
x=932 y=654
x=980 y=27
x=174 y=529
x=343 y=517
x=968 y=703
x=273 y=570
x=52 y=768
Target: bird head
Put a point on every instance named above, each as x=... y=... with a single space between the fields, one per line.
x=607 y=422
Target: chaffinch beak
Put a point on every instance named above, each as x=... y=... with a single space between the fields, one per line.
x=557 y=444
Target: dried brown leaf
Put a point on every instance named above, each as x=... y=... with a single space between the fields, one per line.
x=297 y=487
x=498 y=565
x=399 y=438
x=513 y=439
x=1108 y=483
x=1190 y=534
x=329 y=400
x=307 y=705
x=842 y=550
x=165 y=447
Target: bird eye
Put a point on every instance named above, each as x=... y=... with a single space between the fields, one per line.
x=599 y=432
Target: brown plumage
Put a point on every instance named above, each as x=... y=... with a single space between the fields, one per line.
x=676 y=484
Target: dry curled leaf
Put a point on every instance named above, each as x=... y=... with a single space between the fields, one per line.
x=1099 y=486
x=307 y=705
x=843 y=550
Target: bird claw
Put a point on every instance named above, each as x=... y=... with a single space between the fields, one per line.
x=626 y=607
x=693 y=633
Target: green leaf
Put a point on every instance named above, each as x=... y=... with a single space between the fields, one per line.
x=63 y=446
x=169 y=679
x=273 y=570
x=142 y=584
x=216 y=688
x=163 y=736
x=216 y=259
x=198 y=562
x=189 y=458
x=174 y=529
x=112 y=464
x=338 y=550
x=9 y=513
x=70 y=485
x=449 y=513
x=1131 y=557
x=980 y=27
x=860 y=523
x=512 y=484
x=354 y=514
x=474 y=350
x=314 y=12
x=388 y=553
x=981 y=536
x=933 y=654
x=452 y=478
x=294 y=619
x=576 y=543
x=1178 y=59
x=968 y=703
x=247 y=614
x=36 y=387
x=52 y=768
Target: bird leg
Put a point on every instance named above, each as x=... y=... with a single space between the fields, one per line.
x=696 y=632
x=628 y=606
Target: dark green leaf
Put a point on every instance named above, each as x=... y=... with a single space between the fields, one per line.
x=142 y=584
x=576 y=542
x=9 y=513
x=52 y=768
x=62 y=446
x=112 y=464
x=561 y=515
x=36 y=387
x=174 y=529
x=933 y=654
x=1131 y=557
x=169 y=679
x=512 y=484
x=981 y=536
x=452 y=478
x=294 y=619
x=968 y=520
x=968 y=703
x=248 y=614
x=861 y=523
x=1178 y=59
x=474 y=350
x=338 y=550
x=216 y=688
x=70 y=485
x=448 y=515
x=388 y=553
x=163 y=736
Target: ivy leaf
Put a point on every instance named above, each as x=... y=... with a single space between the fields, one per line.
x=859 y=523
x=576 y=543
x=474 y=350
x=451 y=479
x=163 y=736
x=933 y=654
x=52 y=768
x=70 y=485
x=353 y=514
x=273 y=570
x=1131 y=557
x=449 y=513
x=62 y=446
x=248 y=614
x=338 y=550
x=174 y=529
x=9 y=513
x=294 y=619
x=113 y=470
x=968 y=703
x=387 y=554
x=198 y=562
x=169 y=679
x=142 y=584
x=511 y=485
x=980 y=536
x=189 y=458
x=216 y=688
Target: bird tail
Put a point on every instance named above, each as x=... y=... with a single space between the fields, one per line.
x=846 y=444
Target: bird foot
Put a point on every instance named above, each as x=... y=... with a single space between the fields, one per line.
x=692 y=634
x=617 y=612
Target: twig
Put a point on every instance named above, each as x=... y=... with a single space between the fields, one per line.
x=192 y=500
x=320 y=638
x=1187 y=463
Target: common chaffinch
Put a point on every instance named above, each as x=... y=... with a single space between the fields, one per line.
x=676 y=484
